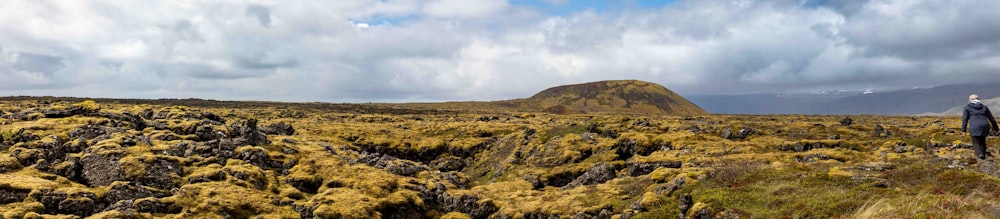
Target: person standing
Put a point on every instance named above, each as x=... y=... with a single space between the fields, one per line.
x=980 y=123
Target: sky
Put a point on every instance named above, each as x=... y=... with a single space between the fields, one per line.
x=456 y=50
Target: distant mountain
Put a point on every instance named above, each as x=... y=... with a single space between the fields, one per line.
x=766 y=103
x=617 y=96
x=993 y=104
x=622 y=96
x=902 y=102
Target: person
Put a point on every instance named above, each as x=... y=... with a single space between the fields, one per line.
x=980 y=123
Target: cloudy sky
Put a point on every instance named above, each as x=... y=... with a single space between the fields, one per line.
x=444 y=50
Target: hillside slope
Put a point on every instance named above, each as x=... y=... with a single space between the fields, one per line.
x=620 y=96
x=615 y=97
x=993 y=104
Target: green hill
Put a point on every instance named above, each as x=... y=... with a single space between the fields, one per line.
x=616 y=96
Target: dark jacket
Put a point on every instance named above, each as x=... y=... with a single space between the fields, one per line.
x=976 y=116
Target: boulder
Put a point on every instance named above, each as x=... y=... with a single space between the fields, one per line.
x=207 y=133
x=436 y=198
x=449 y=163
x=742 y=134
x=643 y=168
x=391 y=164
x=63 y=113
x=88 y=131
x=847 y=121
x=247 y=133
x=280 y=128
x=10 y=195
x=599 y=173
x=101 y=169
x=60 y=202
x=119 y=191
x=161 y=173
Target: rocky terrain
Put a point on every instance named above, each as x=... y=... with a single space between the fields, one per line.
x=70 y=158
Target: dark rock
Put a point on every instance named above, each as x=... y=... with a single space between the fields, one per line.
x=307 y=185
x=449 y=163
x=22 y=136
x=100 y=169
x=638 y=169
x=162 y=173
x=255 y=179
x=181 y=149
x=304 y=211
x=209 y=177
x=834 y=137
x=743 y=133
x=817 y=157
x=670 y=187
x=457 y=179
x=436 y=198
x=603 y=213
x=599 y=173
x=213 y=117
x=248 y=134
x=289 y=150
x=159 y=125
x=391 y=164
x=88 y=132
x=63 y=113
x=146 y=114
x=702 y=214
x=128 y=191
x=561 y=179
x=279 y=129
x=528 y=134
x=901 y=148
x=207 y=133
x=644 y=122
x=255 y=156
x=70 y=168
x=27 y=156
x=879 y=130
x=136 y=122
x=625 y=149
x=59 y=202
x=144 y=205
x=10 y=195
x=805 y=146
x=289 y=141
x=535 y=180
x=847 y=121
x=684 y=203
x=129 y=142
x=404 y=167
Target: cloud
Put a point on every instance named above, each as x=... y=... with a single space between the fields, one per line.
x=463 y=9
x=262 y=14
x=440 y=50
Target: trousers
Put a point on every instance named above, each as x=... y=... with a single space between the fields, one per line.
x=979 y=145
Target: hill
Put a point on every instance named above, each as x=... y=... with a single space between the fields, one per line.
x=900 y=102
x=614 y=96
x=624 y=96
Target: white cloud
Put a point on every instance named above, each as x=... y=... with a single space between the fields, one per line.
x=409 y=50
x=464 y=9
